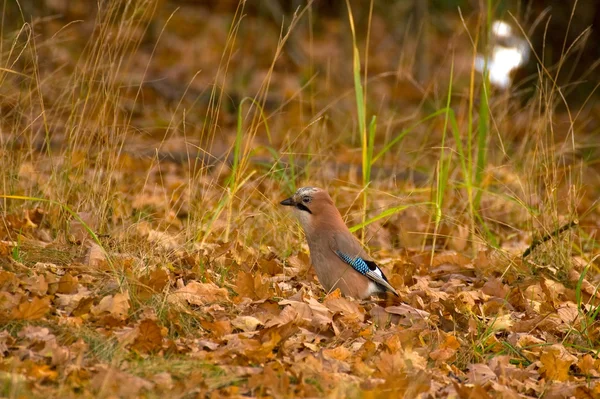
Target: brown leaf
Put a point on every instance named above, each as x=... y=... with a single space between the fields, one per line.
x=116 y=306
x=251 y=285
x=450 y=259
x=217 y=328
x=480 y=374
x=196 y=293
x=568 y=313
x=339 y=353
x=390 y=365
x=407 y=311
x=96 y=257
x=153 y=283
x=556 y=362
x=459 y=238
x=36 y=309
x=41 y=372
x=446 y=350
x=67 y=284
x=149 y=338
x=494 y=287
x=36 y=284
x=346 y=307
x=246 y=323
x=587 y=365
x=270 y=267
x=78 y=231
x=8 y=281
x=110 y=381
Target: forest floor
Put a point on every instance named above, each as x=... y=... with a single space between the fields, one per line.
x=146 y=147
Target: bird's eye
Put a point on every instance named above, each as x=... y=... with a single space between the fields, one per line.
x=306 y=200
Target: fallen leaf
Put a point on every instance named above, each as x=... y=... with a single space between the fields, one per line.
x=346 y=307
x=36 y=309
x=149 y=337
x=36 y=284
x=96 y=257
x=110 y=381
x=339 y=353
x=251 y=285
x=217 y=328
x=196 y=293
x=446 y=350
x=153 y=283
x=480 y=374
x=246 y=323
x=556 y=362
x=67 y=284
x=116 y=306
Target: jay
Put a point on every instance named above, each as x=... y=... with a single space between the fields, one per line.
x=337 y=256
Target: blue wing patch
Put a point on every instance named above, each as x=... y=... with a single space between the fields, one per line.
x=357 y=263
x=369 y=269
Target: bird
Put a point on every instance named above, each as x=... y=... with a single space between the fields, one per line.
x=337 y=256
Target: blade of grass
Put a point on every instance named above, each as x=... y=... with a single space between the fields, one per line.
x=361 y=112
x=236 y=169
x=443 y=165
x=387 y=213
x=484 y=116
x=404 y=132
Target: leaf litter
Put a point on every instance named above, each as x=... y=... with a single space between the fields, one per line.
x=150 y=310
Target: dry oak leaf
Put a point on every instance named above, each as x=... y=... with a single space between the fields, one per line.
x=556 y=362
x=6 y=340
x=70 y=302
x=251 y=285
x=586 y=364
x=36 y=284
x=196 y=293
x=480 y=374
x=41 y=372
x=246 y=323
x=112 y=381
x=346 y=307
x=568 y=312
x=117 y=305
x=36 y=309
x=391 y=365
x=96 y=256
x=217 y=328
x=287 y=315
x=340 y=353
x=149 y=337
x=153 y=283
x=67 y=284
x=8 y=281
x=407 y=311
x=446 y=350
x=495 y=287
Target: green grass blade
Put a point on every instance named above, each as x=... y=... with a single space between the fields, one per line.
x=387 y=213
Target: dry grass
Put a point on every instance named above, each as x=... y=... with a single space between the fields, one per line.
x=156 y=143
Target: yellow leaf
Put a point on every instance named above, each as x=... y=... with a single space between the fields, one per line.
x=36 y=309
x=117 y=305
x=556 y=362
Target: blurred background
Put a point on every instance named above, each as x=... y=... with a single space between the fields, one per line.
x=228 y=87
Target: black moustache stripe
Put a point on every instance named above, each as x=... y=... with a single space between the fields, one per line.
x=303 y=207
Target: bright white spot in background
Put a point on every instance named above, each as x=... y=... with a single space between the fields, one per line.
x=509 y=53
x=503 y=61
x=501 y=29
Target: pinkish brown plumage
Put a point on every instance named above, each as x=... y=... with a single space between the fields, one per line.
x=337 y=256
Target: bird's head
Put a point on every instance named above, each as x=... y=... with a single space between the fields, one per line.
x=310 y=205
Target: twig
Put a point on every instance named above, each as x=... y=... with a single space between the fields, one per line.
x=545 y=238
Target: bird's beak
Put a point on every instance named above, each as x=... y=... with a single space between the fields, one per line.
x=288 y=202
